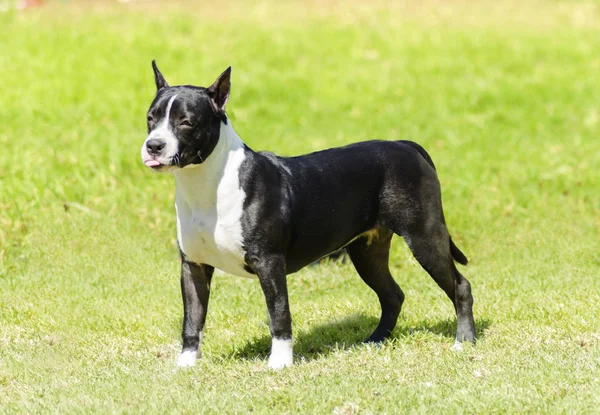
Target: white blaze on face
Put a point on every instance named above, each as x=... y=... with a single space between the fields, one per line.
x=162 y=132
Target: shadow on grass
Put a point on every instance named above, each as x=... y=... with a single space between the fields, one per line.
x=349 y=332
x=446 y=328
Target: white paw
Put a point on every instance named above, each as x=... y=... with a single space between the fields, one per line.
x=278 y=362
x=458 y=347
x=282 y=354
x=187 y=358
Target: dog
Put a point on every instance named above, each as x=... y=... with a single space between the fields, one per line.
x=257 y=215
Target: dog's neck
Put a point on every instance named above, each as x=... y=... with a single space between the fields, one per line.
x=197 y=184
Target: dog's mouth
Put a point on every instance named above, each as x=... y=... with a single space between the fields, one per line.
x=161 y=164
x=155 y=164
x=152 y=163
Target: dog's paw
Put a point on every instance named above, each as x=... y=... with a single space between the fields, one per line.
x=187 y=358
x=282 y=354
x=458 y=347
x=279 y=362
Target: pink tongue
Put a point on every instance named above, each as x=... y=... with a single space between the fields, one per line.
x=152 y=163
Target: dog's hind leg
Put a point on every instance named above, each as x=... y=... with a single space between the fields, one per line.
x=370 y=255
x=419 y=218
x=431 y=247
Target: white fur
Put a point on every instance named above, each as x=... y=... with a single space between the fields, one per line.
x=282 y=353
x=187 y=358
x=164 y=132
x=457 y=347
x=209 y=203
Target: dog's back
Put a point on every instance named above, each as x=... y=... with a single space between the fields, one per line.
x=338 y=194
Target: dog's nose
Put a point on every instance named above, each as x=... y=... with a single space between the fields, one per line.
x=155 y=146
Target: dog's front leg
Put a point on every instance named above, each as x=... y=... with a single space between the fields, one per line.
x=271 y=274
x=195 y=290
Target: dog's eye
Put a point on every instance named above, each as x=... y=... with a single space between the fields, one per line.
x=150 y=119
x=185 y=124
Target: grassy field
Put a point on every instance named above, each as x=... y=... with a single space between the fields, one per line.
x=504 y=95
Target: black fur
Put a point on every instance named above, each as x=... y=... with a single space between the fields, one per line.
x=299 y=209
x=197 y=140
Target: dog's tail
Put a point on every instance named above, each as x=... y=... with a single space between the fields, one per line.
x=457 y=254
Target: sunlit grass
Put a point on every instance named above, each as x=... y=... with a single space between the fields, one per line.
x=507 y=103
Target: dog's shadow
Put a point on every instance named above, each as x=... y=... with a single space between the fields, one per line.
x=349 y=332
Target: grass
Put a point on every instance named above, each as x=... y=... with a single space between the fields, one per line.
x=504 y=95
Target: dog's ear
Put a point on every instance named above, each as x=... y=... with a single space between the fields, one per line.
x=219 y=91
x=159 y=79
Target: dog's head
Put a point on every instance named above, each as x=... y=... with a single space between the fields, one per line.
x=184 y=122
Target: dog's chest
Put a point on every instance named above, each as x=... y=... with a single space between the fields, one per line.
x=209 y=229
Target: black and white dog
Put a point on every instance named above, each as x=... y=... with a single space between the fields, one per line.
x=254 y=214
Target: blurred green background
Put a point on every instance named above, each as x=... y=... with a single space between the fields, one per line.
x=504 y=95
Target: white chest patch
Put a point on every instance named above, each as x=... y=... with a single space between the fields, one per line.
x=209 y=204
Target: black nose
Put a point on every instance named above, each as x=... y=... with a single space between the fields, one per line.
x=155 y=146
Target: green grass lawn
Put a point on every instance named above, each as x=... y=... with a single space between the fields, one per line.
x=504 y=95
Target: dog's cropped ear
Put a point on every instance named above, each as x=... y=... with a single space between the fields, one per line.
x=158 y=78
x=219 y=91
